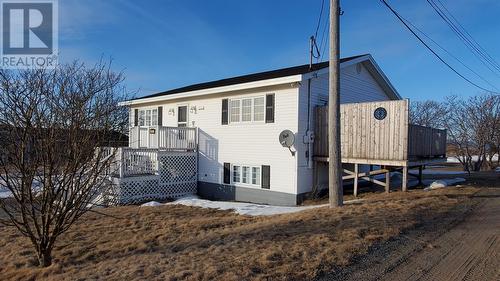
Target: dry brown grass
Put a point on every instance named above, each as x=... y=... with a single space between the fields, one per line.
x=178 y=242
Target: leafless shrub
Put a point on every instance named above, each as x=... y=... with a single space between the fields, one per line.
x=473 y=128
x=427 y=113
x=51 y=122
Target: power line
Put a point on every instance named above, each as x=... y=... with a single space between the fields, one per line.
x=487 y=62
x=431 y=50
x=319 y=18
x=475 y=45
x=322 y=47
x=470 y=36
x=450 y=54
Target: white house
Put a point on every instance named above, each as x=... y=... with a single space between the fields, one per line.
x=239 y=120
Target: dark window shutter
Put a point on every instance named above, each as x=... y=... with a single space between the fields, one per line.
x=266 y=177
x=270 y=108
x=224 y=112
x=160 y=115
x=136 y=117
x=227 y=173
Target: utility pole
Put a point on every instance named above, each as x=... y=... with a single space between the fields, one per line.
x=334 y=156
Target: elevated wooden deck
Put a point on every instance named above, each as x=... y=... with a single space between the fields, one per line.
x=379 y=133
x=389 y=141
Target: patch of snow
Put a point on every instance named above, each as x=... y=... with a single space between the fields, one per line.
x=442 y=183
x=151 y=204
x=246 y=208
x=497 y=169
x=438 y=184
x=474 y=159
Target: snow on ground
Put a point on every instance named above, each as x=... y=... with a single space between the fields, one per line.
x=474 y=159
x=442 y=183
x=497 y=169
x=240 y=207
x=151 y=204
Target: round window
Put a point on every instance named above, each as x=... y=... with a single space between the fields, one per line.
x=380 y=113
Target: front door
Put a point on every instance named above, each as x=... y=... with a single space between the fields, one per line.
x=182 y=121
x=182 y=117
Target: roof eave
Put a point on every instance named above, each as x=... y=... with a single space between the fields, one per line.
x=217 y=90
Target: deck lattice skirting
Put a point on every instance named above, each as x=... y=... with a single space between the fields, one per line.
x=176 y=177
x=141 y=175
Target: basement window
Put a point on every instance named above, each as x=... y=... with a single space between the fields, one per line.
x=246 y=175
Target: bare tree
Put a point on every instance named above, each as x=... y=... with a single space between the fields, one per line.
x=472 y=126
x=427 y=113
x=51 y=123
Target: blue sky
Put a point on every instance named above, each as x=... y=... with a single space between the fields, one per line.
x=161 y=45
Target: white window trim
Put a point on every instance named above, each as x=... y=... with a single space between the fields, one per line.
x=250 y=184
x=252 y=111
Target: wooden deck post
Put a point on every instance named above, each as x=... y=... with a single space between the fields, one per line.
x=420 y=175
x=356 y=174
x=387 y=180
x=404 y=184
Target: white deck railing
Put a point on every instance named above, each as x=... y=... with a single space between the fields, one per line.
x=137 y=161
x=167 y=138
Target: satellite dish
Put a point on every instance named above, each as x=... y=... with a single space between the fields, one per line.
x=287 y=138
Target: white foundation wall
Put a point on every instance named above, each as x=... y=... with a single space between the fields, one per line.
x=356 y=85
x=240 y=143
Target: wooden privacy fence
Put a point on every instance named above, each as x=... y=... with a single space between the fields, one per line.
x=378 y=131
x=425 y=142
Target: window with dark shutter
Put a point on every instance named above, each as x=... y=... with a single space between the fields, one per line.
x=270 y=108
x=136 y=117
x=160 y=115
x=266 y=177
x=224 y=112
x=227 y=173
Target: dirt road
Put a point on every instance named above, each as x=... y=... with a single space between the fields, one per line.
x=465 y=246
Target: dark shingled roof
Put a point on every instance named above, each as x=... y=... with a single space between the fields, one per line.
x=283 y=72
